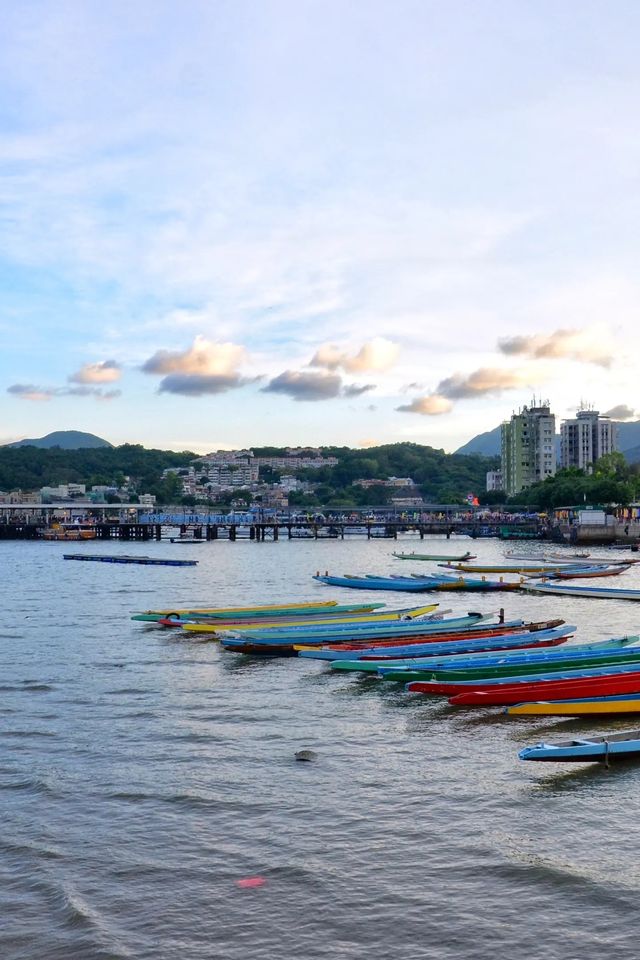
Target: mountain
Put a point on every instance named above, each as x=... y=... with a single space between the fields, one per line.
x=66 y=440
x=488 y=444
x=632 y=455
x=628 y=436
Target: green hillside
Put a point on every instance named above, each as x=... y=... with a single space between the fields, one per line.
x=440 y=477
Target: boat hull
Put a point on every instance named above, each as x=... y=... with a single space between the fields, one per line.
x=597 y=706
x=601 y=749
x=549 y=690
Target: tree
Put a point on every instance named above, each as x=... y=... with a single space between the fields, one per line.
x=612 y=466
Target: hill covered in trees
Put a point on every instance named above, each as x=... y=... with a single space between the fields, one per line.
x=29 y=468
x=440 y=477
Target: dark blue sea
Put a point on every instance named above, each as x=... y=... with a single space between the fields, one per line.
x=142 y=775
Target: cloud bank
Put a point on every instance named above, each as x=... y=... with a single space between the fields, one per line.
x=486 y=381
x=29 y=391
x=588 y=346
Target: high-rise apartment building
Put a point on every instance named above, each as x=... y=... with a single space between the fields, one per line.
x=528 y=449
x=585 y=439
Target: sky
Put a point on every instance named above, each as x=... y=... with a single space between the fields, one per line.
x=290 y=222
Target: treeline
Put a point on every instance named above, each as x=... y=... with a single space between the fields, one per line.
x=613 y=481
x=29 y=468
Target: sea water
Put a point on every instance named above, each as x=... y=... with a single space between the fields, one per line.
x=152 y=806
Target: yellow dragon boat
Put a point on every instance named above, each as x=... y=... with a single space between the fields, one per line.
x=365 y=618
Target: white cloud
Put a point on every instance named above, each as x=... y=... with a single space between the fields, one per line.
x=430 y=406
x=593 y=345
x=376 y=355
x=202 y=358
x=105 y=371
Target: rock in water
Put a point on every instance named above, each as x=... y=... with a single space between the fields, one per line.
x=306 y=755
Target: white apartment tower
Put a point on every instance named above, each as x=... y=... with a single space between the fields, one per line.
x=585 y=439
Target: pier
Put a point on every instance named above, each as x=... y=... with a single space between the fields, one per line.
x=132 y=522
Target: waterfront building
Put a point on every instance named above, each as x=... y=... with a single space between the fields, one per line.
x=585 y=439
x=528 y=451
x=295 y=459
x=296 y=463
x=64 y=491
x=494 y=480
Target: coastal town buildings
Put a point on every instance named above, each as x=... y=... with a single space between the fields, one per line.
x=528 y=452
x=495 y=480
x=586 y=438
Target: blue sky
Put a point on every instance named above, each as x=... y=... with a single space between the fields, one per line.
x=233 y=223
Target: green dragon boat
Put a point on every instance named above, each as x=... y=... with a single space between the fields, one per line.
x=434 y=556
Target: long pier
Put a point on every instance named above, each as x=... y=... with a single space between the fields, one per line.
x=270 y=530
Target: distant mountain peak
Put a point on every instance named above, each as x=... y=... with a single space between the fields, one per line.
x=65 y=439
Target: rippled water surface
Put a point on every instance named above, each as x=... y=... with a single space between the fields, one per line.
x=142 y=775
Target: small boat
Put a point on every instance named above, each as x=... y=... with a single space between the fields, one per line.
x=415 y=584
x=383 y=668
x=569 y=556
x=69 y=531
x=600 y=749
x=122 y=558
x=503 y=695
x=476 y=630
x=578 y=573
x=566 y=590
x=561 y=662
x=318 y=635
x=577 y=707
x=433 y=647
x=433 y=556
x=517 y=568
x=409 y=621
x=540 y=678
x=270 y=609
x=187 y=540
